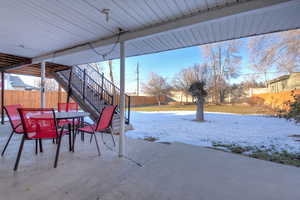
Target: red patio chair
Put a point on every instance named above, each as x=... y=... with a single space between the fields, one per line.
x=15 y=122
x=104 y=122
x=68 y=107
x=39 y=124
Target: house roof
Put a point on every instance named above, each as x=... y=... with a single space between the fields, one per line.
x=283 y=77
x=74 y=32
x=280 y=78
x=16 y=81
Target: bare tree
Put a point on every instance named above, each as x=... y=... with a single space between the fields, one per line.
x=157 y=86
x=111 y=75
x=223 y=60
x=279 y=51
x=91 y=68
x=183 y=80
x=288 y=51
x=197 y=90
x=262 y=54
x=50 y=84
x=97 y=66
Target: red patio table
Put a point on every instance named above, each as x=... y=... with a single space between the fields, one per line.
x=67 y=116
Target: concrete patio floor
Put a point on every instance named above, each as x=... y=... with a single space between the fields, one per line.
x=175 y=171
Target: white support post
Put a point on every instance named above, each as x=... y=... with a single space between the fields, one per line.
x=122 y=99
x=43 y=75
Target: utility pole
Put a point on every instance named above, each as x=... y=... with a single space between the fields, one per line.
x=137 y=79
x=111 y=74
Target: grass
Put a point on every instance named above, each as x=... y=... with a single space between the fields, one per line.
x=236 y=109
x=282 y=157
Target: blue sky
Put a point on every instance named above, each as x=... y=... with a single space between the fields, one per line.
x=166 y=64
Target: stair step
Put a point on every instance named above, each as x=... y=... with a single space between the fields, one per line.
x=93 y=103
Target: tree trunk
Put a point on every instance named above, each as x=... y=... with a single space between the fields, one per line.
x=221 y=96
x=181 y=96
x=200 y=110
x=112 y=76
x=158 y=100
x=266 y=82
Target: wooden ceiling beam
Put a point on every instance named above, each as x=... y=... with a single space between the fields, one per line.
x=21 y=65
x=8 y=61
x=16 y=66
x=35 y=70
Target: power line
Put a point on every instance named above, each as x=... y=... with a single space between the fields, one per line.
x=259 y=73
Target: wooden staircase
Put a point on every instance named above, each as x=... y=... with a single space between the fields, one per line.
x=92 y=91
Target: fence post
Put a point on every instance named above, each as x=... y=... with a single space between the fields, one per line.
x=2 y=97
x=59 y=94
x=83 y=89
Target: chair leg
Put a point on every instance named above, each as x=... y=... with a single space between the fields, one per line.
x=112 y=136
x=82 y=136
x=99 y=153
x=74 y=139
x=36 y=147
x=91 y=138
x=19 y=153
x=102 y=136
x=57 y=151
x=70 y=136
x=41 y=146
x=7 y=143
x=70 y=141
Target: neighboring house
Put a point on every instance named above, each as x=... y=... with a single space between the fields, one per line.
x=279 y=84
x=16 y=83
x=181 y=97
x=285 y=83
x=253 y=91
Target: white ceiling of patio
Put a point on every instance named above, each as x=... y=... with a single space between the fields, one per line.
x=70 y=31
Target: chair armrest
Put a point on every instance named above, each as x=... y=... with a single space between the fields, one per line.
x=90 y=125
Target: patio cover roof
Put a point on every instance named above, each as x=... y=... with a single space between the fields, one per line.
x=22 y=65
x=74 y=32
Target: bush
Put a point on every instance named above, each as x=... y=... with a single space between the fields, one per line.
x=294 y=108
x=255 y=100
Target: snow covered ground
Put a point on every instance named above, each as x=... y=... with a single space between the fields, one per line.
x=244 y=130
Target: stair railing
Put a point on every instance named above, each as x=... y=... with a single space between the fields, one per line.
x=108 y=86
x=96 y=89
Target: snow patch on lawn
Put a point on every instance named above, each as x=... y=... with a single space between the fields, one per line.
x=244 y=130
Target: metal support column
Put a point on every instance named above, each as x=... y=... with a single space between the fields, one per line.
x=2 y=96
x=122 y=99
x=43 y=76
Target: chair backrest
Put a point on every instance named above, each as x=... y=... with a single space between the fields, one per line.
x=68 y=107
x=38 y=122
x=106 y=117
x=13 y=115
